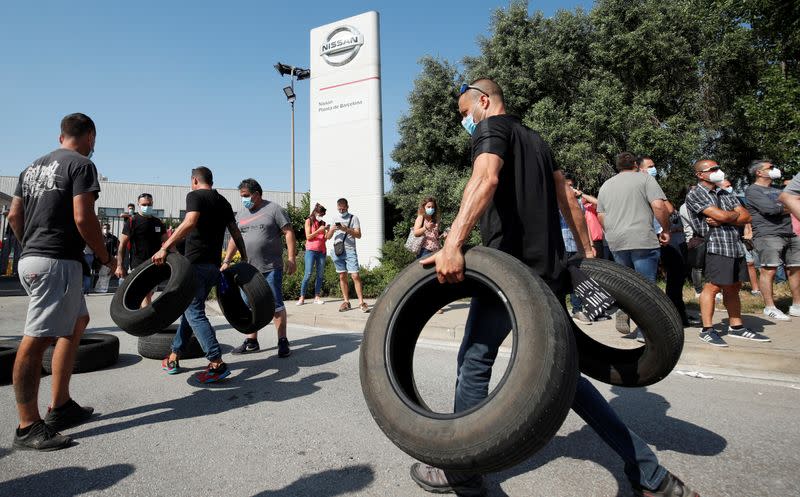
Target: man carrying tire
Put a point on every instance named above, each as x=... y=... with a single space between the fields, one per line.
x=516 y=191
x=262 y=224
x=52 y=212
x=208 y=214
x=144 y=233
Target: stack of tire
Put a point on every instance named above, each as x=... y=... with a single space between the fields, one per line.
x=153 y=324
x=532 y=399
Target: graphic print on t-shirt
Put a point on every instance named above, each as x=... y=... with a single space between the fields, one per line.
x=39 y=178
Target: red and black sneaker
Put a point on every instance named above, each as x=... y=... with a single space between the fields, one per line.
x=212 y=374
x=171 y=367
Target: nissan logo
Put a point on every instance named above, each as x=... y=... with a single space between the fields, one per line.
x=342 y=45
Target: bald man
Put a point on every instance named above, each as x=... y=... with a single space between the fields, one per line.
x=518 y=214
x=716 y=215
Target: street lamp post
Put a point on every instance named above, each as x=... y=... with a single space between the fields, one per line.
x=298 y=74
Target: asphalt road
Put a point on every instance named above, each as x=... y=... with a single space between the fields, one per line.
x=299 y=427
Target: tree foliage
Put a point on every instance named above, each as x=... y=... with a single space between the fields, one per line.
x=675 y=80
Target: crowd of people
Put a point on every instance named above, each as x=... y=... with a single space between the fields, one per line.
x=522 y=202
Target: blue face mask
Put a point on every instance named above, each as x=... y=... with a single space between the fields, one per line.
x=429 y=211
x=652 y=171
x=146 y=210
x=729 y=189
x=247 y=202
x=469 y=124
x=91 y=153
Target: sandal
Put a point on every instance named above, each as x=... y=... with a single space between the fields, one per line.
x=344 y=307
x=364 y=307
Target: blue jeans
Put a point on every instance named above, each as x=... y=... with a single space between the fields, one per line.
x=194 y=318
x=318 y=258
x=487 y=326
x=643 y=261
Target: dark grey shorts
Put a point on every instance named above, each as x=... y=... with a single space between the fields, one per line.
x=774 y=250
x=722 y=271
x=55 y=287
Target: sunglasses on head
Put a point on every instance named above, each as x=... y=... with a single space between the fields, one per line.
x=466 y=87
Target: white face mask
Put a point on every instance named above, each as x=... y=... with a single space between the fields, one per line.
x=717 y=176
x=775 y=173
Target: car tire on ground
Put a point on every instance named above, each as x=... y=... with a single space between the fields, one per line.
x=8 y=353
x=96 y=351
x=529 y=403
x=165 y=308
x=159 y=345
x=651 y=310
x=243 y=317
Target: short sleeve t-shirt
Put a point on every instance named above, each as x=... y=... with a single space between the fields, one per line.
x=262 y=231
x=204 y=243
x=352 y=220
x=768 y=215
x=47 y=187
x=625 y=200
x=522 y=218
x=145 y=234
x=794 y=186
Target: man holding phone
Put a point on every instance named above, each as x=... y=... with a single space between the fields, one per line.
x=344 y=232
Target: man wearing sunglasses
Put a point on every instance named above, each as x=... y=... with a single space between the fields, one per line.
x=515 y=192
x=773 y=237
x=715 y=215
x=145 y=233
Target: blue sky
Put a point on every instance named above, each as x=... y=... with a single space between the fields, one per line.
x=172 y=85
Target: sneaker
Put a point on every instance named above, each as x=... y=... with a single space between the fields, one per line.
x=692 y=321
x=755 y=293
x=794 y=310
x=438 y=481
x=747 y=335
x=283 y=347
x=67 y=416
x=639 y=336
x=581 y=317
x=718 y=297
x=171 y=367
x=41 y=437
x=318 y=301
x=211 y=375
x=249 y=346
x=623 y=324
x=300 y=302
x=671 y=486
x=776 y=314
x=712 y=338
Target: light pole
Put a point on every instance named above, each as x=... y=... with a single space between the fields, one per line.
x=298 y=74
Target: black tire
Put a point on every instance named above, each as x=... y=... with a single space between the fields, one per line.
x=520 y=415
x=246 y=318
x=8 y=353
x=166 y=308
x=159 y=345
x=96 y=351
x=657 y=317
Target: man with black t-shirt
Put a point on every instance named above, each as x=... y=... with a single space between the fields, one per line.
x=52 y=212
x=145 y=234
x=208 y=214
x=515 y=192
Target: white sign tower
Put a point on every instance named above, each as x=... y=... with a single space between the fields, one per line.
x=346 y=150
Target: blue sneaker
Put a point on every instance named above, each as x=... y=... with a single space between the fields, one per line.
x=711 y=337
x=746 y=334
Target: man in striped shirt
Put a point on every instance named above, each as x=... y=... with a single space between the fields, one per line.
x=714 y=214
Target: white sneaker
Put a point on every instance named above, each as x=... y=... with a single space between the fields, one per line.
x=794 y=310
x=718 y=297
x=300 y=302
x=319 y=301
x=776 y=314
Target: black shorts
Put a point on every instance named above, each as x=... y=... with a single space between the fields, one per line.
x=722 y=271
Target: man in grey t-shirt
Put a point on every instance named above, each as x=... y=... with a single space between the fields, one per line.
x=346 y=228
x=263 y=225
x=775 y=242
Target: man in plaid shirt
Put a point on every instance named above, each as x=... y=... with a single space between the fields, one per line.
x=714 y=215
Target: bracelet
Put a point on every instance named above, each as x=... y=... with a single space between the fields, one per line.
x=226 y=262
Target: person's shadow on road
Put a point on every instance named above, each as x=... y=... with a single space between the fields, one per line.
x=70 y=481
x=328 y=483
x=246 y=386
x=645 y=413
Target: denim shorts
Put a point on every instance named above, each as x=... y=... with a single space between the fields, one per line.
x=275 y=281
x=775 y=250
x=347 y=262
x=55 y=287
